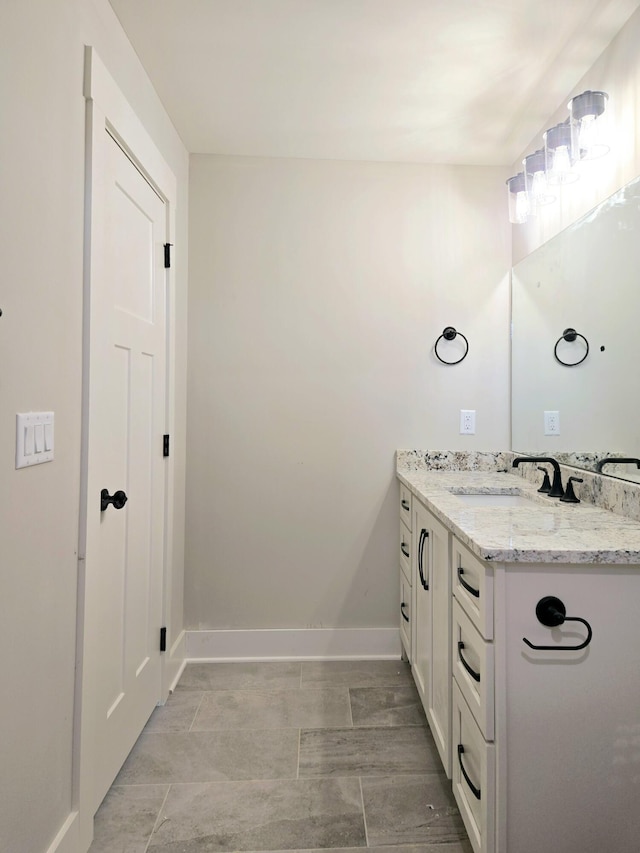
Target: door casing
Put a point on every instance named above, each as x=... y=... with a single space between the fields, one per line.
x=107 y=108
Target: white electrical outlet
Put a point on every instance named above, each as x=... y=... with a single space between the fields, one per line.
x=552 y=423
x=467 y=421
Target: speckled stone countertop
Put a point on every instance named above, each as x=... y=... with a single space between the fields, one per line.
x=543 y=531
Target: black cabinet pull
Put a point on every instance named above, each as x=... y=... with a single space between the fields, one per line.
x=405 y=505
x=474 y=675
x=404 y=615
x=470 y=589
x=475 y=791
x=551 y=612
x=118 y=499
x=404 y=549
x=423 y=538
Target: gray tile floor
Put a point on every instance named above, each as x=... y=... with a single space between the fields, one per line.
x=284 y=756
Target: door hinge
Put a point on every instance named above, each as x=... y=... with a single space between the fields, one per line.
x=167 y=255
x=165 y=445
x=163 y=639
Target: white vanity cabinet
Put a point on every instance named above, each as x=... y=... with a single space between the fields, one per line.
x=432 y=626
x=526 y=655
x=546 y=744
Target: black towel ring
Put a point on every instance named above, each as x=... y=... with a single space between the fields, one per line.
x=449 y=333
x=570 y=335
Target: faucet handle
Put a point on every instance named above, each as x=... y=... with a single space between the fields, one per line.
x=569 y=496
x=545 y=488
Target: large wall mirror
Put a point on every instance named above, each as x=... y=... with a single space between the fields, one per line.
x=586 y=279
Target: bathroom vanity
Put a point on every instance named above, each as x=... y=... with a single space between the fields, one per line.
x=538 y=726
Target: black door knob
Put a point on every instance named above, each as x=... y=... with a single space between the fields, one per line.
x=118 y=499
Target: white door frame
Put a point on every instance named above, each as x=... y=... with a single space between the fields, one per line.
x=107 y=108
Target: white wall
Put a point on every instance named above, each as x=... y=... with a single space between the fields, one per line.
x=616 y=72
x=42 y=207
x=317 y=290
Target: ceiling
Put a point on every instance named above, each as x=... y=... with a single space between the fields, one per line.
x=440 y=81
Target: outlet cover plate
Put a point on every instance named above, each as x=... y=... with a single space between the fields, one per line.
x=467 y=421
x=552 y=423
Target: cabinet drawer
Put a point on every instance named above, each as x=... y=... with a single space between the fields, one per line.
x=473 y=670
x=406 y=504
x=473 y=777
x=405 y=550
x=472 y=584
x=405 y=614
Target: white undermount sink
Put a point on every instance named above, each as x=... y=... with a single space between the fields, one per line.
x=480 y=500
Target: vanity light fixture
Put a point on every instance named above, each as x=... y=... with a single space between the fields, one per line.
x=586 y=112
x=535 y=178
x=579 y=137
x=560 y=154
x=519 y=207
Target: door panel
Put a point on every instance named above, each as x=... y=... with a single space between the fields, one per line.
x=127 y=353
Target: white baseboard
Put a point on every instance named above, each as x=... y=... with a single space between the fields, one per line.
x=295 y=644
x=174 y=663
x=67 y=839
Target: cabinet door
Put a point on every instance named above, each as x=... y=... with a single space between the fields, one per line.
x=432 y=626
x=421 y=649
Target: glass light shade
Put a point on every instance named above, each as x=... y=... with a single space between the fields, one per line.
x=588 y=129
x=519 y=207
x=535 y=178
x=559 y=152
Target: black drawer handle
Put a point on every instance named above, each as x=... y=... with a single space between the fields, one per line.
x=404 y=615
x=405 y=505
x=404 y=549
x=475 y=791
x=424 y=534
x=470 y=589
x=474 y=675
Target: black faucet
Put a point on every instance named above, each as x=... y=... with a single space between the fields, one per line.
x=556 y=487
x=615 y=460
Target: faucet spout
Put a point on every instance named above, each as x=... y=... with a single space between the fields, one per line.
x=557 y=490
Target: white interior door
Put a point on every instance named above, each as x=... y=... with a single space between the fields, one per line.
x=126 y=422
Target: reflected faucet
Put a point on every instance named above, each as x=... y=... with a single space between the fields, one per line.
x=615 y=460
x=556 y=487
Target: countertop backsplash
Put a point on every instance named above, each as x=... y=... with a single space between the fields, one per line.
x=610 y=493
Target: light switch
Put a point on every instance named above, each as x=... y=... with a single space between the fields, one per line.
x=29 y=440
x=38 y=432
x=34 y=438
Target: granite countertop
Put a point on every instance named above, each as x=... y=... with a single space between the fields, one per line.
x=543 y=531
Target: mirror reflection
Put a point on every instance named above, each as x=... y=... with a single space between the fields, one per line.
x=576 y=347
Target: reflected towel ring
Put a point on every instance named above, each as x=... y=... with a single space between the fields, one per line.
x=570 y=335
x=449 y=334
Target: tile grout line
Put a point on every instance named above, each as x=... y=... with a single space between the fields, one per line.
x=195 y=716
x=157 y=825
x=298 y=762
x=350 y=707
x=364 y=816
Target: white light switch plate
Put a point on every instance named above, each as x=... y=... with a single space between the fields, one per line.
x=34 y=438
